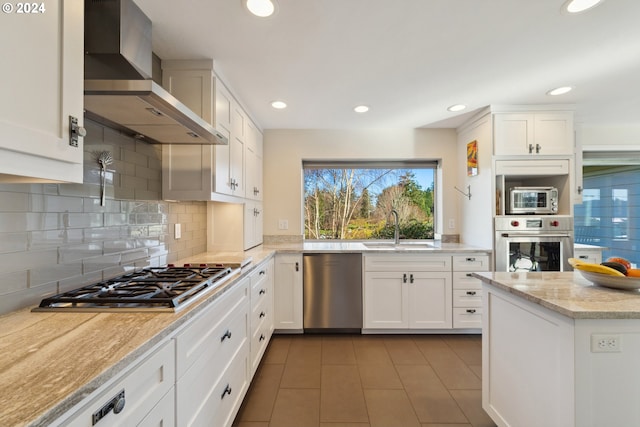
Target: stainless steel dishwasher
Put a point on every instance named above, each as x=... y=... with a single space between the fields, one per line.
x=332 y=292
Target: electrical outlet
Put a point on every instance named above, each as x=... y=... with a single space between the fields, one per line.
x=283 y=224
x=605 y=343
x=177 y=231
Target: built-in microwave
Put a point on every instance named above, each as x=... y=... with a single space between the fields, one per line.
x=533 y=200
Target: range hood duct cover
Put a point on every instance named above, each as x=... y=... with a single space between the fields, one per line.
x=118 y=90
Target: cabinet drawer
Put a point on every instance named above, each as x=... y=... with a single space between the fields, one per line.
x=163 y=414
x=209 y=393
x=259 y=341
x=197 y=389
x=594 y=257
x=407 y=262
x=144 y=386
x=462 y=280
x=532 y=167
x=467 y=317
x=471 y=262
x=204 y=333
x=259 y=313
x=467 y=298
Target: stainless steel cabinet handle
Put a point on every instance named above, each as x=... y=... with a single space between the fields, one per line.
x=226 y=335
x=227 y=390
x=75 y=131
x=468 y=275
x=255 y=191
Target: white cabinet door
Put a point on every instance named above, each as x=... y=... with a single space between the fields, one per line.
x=533 y=133
x=430 y=300
x=512 y=133
x=236 y=151
x=288 y=292
x=253 y=166
x=386 y=300
x=252 y=224
x=42 y=86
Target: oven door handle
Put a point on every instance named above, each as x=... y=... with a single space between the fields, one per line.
x=534 y=235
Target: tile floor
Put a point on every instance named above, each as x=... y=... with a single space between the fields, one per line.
x=367 y=381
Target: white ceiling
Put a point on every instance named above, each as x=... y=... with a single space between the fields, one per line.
x=409 y=59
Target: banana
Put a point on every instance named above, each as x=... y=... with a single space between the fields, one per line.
x=594 y=268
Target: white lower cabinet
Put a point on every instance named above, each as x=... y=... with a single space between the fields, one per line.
x=588 y=253
x=467 y=290
x=134 y=398
x=407 y=291
x=261 y=318
x=288 y=292
x=213 y=361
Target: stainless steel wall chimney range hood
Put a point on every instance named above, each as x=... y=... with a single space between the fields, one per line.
x=118 y=89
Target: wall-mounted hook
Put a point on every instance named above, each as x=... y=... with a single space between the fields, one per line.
x=467 y=194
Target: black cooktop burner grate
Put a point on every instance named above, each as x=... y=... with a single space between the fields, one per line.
x=153 y=287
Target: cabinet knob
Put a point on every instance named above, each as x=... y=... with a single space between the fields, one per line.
x=262 y=272
x=75 y=131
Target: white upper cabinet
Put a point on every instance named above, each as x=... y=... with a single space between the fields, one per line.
x=207 y=172
x=42 y=87
x=533 y=133
x=253 y=163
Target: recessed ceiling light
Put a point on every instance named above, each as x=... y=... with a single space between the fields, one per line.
x=577 y=6
x=361 y=109
x=457 y=107
x=559 y=90
x=279 y=105
x=261 y=8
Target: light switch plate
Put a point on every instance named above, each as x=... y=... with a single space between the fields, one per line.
x=283 y=224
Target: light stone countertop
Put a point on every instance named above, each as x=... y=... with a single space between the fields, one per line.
x=51 y=361
x=567 y=293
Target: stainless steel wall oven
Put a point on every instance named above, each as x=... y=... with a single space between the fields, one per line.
x=533 y=243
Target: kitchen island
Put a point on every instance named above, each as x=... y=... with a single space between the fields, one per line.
x=559 y=351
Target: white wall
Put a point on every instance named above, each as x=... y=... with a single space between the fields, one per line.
x=476 y=214
x=284 y=151
x=609 y=137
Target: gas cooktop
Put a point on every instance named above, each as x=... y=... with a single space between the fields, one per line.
x=169 y=288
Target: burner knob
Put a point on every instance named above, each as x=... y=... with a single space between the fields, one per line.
x=555 y=223
x=515 y=223
x=170 y=265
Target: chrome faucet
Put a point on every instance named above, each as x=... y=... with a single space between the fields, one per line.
x=396 y=226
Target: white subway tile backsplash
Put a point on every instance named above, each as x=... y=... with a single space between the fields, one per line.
x=14 y=202
x=57 y=237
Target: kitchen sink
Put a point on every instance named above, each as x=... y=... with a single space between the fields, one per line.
x=399 y=246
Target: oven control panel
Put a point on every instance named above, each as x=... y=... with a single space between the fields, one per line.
x=544 y=224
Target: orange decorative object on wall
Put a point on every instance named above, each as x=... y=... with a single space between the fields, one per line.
x=472 y=158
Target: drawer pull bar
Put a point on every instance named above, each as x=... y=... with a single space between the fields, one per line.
x=262 y=272
x=469 y=275
x=470 y=259
x=262 y=292
x=261 y=337
x=262 y=314
x=583 y=256
x=226 y=335
x=227 y=390
x=471 y=311
x=471 y=292
x=404 y=278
